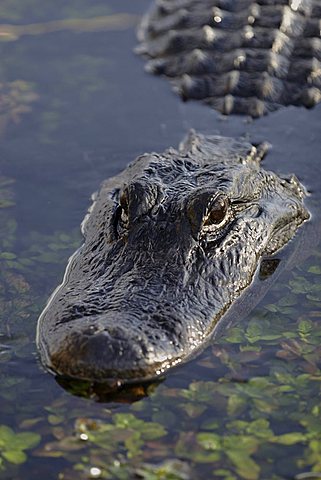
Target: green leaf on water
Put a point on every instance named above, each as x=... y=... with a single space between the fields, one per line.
x=15 y=456
x=245 y=465
x=6 y=436
x=315 y=297
x=243 y=443
x=300 y=285
x=210 y=424
x=288 y=300
x=6 y=203
x=25 y=440
x=235 y=404
x=167 y=470
x=7 y=256
x=12 y=445
x=315 y=269
x=209 y=441
x=207 y=456
x=260 y=428
x=271 y=307
x=149 y=430
x=305 y=327
x=290 y=438
x=234 y=335
x=226 y=474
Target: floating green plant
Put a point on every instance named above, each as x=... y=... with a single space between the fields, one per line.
x=13 y=445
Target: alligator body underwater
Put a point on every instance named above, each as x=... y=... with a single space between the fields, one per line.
x=170 y=243
x=238 y=56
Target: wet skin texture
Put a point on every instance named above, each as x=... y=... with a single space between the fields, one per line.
x=170 y=243
x=238 y=56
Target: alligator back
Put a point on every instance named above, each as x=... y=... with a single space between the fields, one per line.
x=240 y=57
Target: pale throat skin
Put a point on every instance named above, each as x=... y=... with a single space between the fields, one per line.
x=169 y=244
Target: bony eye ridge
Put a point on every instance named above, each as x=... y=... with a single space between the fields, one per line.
x=216 y=211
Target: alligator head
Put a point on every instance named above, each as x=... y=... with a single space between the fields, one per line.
x=170 y=243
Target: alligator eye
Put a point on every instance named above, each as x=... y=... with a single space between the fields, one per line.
x=121 y=221
x=121 y=215
x=124 y=206
x=216 y=211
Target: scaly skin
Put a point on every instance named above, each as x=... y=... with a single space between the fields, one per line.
x=169 y=244
x=238 y=56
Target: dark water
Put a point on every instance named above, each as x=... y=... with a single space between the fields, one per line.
x=249 y=406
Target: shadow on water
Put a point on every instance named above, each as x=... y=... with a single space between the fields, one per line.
x=108 y=392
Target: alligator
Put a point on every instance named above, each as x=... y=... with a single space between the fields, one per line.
x=172 y=242
x=169 y=244
x=238 y=56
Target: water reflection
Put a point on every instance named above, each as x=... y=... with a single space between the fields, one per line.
x=108 y=392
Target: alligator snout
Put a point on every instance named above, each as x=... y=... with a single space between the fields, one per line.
x=112 y=347
x=103 y=354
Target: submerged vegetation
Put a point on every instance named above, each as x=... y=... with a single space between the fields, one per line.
x=17 y=96
x=15 y=99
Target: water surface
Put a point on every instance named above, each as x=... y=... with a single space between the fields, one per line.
x=76 y=107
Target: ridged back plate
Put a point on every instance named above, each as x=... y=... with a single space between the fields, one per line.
x=237 y=56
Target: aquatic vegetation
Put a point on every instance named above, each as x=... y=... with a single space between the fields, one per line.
x=21 y=298
x=15 y=100
x=167 y=470
x=42 y=249
x=254 y=395
x=13 y=445
x=6 y=194
x=252 y=402
x=14 y=289
x=224 y=426
x=17 y=96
